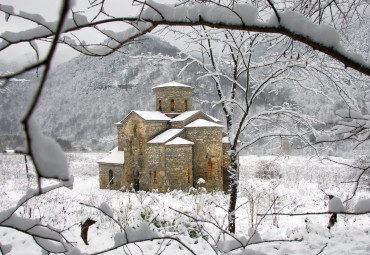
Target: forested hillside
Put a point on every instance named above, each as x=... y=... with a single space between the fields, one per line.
x=97 y=92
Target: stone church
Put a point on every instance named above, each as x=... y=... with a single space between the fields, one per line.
x=168 y=149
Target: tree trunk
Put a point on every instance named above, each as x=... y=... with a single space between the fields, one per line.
x=234 y=182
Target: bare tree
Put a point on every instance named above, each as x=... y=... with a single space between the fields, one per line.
x=242 y=80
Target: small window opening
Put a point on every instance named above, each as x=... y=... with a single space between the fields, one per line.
x=209 y=170
x=110 y=176
x=160 y=105
x=186 y=105
x=187 y=175
x=155 y=179
x=172 y=105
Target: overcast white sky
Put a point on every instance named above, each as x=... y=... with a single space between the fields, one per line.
x=49 y=9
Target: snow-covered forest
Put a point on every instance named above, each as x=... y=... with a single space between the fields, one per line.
x=288 y=79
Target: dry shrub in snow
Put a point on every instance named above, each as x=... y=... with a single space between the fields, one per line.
x=268 y=170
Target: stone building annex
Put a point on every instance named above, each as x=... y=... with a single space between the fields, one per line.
x=167 y=149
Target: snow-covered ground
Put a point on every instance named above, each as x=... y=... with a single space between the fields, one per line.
x=300 y=189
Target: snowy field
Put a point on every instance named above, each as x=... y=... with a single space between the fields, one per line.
x=300 y=189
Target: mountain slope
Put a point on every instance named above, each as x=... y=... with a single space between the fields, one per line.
x=84 y=97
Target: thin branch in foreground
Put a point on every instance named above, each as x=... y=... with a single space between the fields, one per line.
x=314 y=213
x=322 y=249
x=135 y=241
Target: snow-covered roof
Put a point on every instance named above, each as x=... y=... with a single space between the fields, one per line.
x=172 y=84
x=183 y=116
x=186 y=115
x=213 y=118
x=152 y=115
x=115 y=149
x=226 y=140
x=147 y=115
x=166 y=135
x=115 y=157
x=179 y=141
x=203 y=123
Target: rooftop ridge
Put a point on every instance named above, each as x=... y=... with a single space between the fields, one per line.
x=172 y=84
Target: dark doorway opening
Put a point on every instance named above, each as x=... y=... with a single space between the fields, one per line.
x=136 y=184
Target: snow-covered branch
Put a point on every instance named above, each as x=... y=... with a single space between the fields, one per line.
x=240 y=17
x=142 y=233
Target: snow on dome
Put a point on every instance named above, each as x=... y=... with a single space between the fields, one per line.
x=172 y=84
x=184 y=116
x=179 y=141
x=116 y=157
x=166 y=135
x=203 y=123
x=152 y=115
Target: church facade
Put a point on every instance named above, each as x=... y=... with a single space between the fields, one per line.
x=169 y=148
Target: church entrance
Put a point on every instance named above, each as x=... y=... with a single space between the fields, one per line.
x=136 y=184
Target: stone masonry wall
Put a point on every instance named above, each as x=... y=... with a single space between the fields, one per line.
x=179 y=172
x=178 y=94
x=133 y=136
x=207 y=147
x=104 y=176
x=156 y=167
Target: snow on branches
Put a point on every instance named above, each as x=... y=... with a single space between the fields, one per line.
x=241 y=17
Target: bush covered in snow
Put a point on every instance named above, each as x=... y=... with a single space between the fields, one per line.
x=268 y=170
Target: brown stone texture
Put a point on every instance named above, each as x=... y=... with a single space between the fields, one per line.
x=156 y=163
x=178 y=160
x=118 y=176
x=207 y=147
x=179 y=95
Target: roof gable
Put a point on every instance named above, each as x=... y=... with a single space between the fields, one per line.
x=172 y=84
x=179 y=141
x=152 y=115
x=203 y=123
x=146 y=115
x=187 y=117
x=166 y=136
x=184 y=116
x=115 y=157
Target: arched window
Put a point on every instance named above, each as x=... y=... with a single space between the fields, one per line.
x=160 y=105
x=155 y=176
x=187 y=175
x=186 y=105
x=209 y=170
x=172 y=105
x=110 y=176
